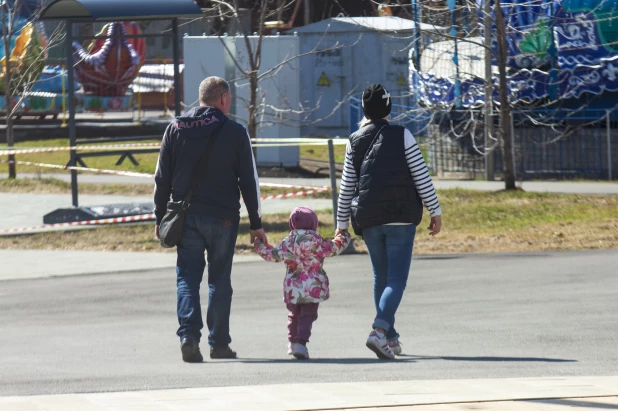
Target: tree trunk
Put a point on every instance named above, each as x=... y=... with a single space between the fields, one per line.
x=10 y=140
x=505 y=104
x=253 y=105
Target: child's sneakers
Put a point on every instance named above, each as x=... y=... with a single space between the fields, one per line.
x=301 y=352
x=379 y=345
x=291 y=348
x=395 y=346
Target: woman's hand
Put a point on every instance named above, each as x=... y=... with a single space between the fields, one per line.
x=436 y=225
x=341 y=231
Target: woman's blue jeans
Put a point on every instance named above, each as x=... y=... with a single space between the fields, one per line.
x=390 y=249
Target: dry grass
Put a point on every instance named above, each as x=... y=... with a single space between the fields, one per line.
x=140 y=237
x=474 y=222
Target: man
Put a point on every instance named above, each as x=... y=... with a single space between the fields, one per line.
x=213 y=216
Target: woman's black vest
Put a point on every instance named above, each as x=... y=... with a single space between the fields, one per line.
x=386 y=190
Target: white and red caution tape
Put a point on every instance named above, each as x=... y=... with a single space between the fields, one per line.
x=136 y=218
x=140 y=146
x=136 y=174
x=85 y=169
x=275 y=185
x=270 y=142
x=49 y=227
x=299 y=140
x=296 y=194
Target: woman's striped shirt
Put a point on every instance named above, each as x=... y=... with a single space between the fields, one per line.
x=418 y=170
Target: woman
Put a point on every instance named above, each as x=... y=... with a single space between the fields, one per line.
x=384 y=186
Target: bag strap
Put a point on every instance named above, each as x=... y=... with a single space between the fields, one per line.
x=373 y=142
x=202 y=160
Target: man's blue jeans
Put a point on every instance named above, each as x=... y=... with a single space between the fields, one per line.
x=390 y=249
x=217 y=237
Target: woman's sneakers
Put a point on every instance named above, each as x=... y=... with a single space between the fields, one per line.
x=378 y=344
x=300 y=352
x=395 y=346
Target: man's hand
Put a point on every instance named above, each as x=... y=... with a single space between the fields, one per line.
x=341 y=231
x=259 y=234
x=157 y=232
x=436 y=225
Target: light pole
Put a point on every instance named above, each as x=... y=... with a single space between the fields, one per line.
x=489 y=92
x=417 y=47
x=452 y=7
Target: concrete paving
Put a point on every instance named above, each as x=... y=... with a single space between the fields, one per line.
x=463 y=317
x=530 y=394
x=567 y=187
x=27 y=210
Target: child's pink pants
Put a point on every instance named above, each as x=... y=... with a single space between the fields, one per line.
x=300 y=320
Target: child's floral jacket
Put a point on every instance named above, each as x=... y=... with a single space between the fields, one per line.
x=303 y=253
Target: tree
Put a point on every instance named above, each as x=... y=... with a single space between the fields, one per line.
x=236 y=21
x=25 y=50
x=492 y=13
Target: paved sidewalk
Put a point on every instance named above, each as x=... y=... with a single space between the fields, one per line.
x=27 y=210
x=568 y=187
x=497 y=394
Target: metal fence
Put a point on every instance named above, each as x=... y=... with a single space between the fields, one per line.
x=556 y=144
x=550 y=144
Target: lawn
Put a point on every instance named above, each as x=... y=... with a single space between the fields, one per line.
x=147 y=162
x=321 y=152
x=474 y=222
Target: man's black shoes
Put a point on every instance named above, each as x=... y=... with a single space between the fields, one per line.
x=221 y=353
x=190 y=349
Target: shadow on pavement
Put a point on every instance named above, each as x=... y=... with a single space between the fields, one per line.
x=487 y=359
x=438 y=257
x=292 y=360
x=578 y=403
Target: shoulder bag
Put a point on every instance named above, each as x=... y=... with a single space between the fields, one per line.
x=172 y=224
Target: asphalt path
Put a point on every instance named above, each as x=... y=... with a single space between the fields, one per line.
x=559 y=187
x=475 y=316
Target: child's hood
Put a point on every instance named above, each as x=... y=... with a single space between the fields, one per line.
x=305 y=242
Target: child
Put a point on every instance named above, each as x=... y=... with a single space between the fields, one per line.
x=306 y=283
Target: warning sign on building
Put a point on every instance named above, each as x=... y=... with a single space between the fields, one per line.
x=401 y=81
x=323 y=81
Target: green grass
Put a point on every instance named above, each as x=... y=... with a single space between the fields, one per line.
x=148 y=162
x=517 y=210
x=321 y=153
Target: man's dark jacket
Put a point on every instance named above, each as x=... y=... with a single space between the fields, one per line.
x=231 y=167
